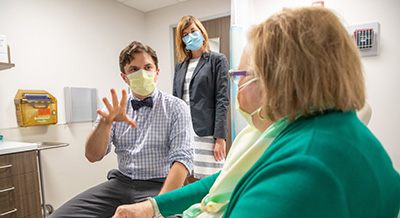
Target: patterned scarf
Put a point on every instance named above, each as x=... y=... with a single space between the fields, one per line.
x=246 y=149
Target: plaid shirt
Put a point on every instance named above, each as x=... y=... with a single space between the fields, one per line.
x=164 y=135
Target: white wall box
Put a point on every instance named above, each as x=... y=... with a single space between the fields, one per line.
x=80 y=104
x=366 y=37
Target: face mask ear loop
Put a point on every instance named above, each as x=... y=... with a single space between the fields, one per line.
x=247 y=83
x=254 y=112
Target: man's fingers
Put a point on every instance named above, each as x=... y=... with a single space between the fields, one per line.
x=102 y=113
x=130 y=122
x=114 y=97
x=107 y=104
x=124 y=99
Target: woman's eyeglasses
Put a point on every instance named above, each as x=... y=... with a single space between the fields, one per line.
x=236 y=74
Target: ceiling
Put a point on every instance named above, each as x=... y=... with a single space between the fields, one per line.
x=149 y=5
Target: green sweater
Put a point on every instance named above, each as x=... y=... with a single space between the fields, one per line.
x=324 y=166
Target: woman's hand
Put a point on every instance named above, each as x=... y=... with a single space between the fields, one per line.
x=116 y=111
x=140 y=210
x=219 y=149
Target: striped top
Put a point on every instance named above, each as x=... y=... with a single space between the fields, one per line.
x=164 y=135
x=189 y=73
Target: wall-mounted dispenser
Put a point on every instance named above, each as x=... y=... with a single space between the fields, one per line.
x=80 y=104
x=366 y=37
x=35 y=108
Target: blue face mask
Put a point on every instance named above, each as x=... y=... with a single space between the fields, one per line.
x=193 y=41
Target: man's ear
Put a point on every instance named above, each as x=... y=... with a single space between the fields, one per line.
x=125 y=78
x=156 y=76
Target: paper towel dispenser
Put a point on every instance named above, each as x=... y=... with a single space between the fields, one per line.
x=80 y=104
x=35 y=107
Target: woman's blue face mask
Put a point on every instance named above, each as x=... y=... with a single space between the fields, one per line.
x=193 y=41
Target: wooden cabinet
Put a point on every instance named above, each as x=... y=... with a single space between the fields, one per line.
x=19 y=186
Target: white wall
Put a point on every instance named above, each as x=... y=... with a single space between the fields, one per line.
x=56 y=44
x=382 y=72
x=64 y=43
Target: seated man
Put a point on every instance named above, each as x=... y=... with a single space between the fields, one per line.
x=152 y=135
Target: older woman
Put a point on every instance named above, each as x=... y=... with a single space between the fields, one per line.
x=323 y=161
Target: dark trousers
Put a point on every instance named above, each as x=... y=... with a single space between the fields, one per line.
x=103 y=199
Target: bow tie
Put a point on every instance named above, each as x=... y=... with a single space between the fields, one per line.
x=148 y=102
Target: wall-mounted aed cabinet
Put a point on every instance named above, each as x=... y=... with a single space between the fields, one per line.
x=35 y=108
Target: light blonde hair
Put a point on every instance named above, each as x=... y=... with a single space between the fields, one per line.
x=181 y=51
x=307 y=63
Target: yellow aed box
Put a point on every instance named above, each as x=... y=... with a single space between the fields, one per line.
x=35 y=108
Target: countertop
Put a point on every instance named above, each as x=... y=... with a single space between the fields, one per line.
x=8 y=147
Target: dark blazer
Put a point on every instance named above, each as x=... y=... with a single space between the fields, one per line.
x=209 y=94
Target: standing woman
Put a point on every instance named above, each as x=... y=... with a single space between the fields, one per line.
x=201 y=79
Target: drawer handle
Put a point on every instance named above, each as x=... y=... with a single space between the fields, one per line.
x=4 y=167
x=9 y=212
x=7 y=189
